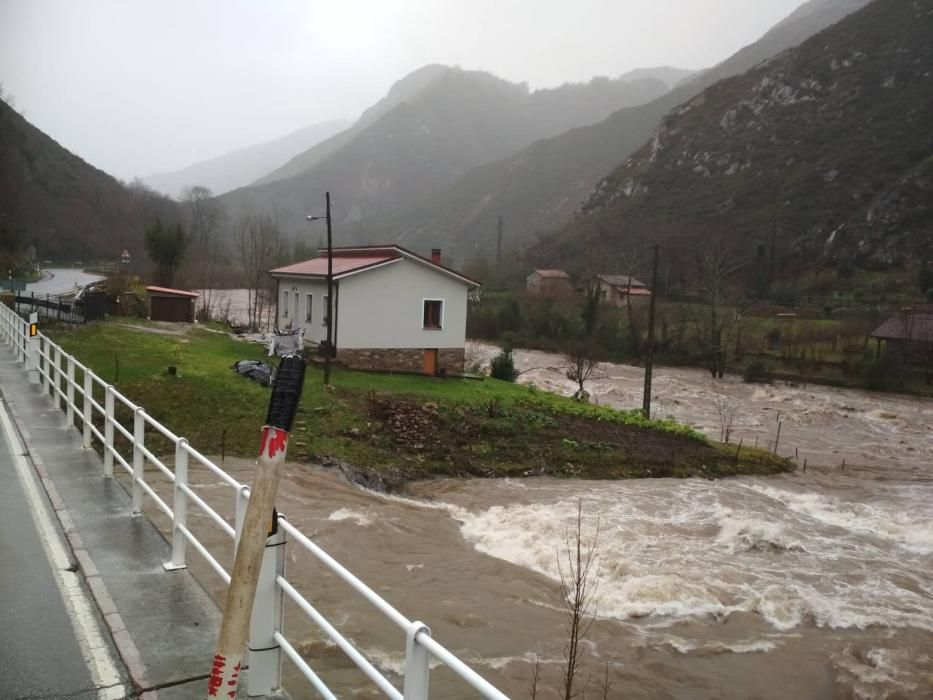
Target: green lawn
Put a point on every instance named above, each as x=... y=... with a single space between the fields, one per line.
x=405 y=426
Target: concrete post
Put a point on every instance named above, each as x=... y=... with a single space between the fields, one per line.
x=70 y=393
x=416 y=664
x=87 y=411
x=32 y=359
x=45 y=364
x=139 y=459
x=265 y=654
x=57 y=379
x=108 y=431
x=179 y=508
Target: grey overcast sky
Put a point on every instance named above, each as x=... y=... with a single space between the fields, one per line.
x=141 y=87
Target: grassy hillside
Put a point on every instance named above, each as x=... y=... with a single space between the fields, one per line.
x=828 y=147
x=64 y=206
x=393 y=428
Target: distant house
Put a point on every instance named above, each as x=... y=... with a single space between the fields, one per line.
x=911 y=333
x=616 y=289
x=171 y=304
x=548 y=282
x=393 y=309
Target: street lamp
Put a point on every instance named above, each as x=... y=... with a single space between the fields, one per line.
x=330 y=288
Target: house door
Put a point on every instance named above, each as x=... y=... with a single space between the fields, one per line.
x=430 y=362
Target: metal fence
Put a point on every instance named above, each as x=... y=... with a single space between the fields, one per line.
x=51 y=307
x=91 y=402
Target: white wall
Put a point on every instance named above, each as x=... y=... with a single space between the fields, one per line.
x=383 y=308
x=315 y=330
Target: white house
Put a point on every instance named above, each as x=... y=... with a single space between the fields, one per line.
x=393 y=309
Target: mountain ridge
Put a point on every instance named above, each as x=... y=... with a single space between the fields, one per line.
x=243 y=166
x=541 y=187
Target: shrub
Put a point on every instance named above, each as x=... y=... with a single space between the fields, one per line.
x=503 y=367
x=757 y=373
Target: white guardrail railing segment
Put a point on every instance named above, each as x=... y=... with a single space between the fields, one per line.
x=92 y=399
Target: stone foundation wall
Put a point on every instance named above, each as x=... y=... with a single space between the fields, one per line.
x=451 y=359
x=399 y=359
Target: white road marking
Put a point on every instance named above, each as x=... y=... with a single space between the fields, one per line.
x=94 y=648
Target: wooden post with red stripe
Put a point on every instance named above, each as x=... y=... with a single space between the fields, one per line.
x=234 y=628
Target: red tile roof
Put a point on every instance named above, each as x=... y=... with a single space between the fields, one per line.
x=175 y=292
x=342 y=265
x=356 y=258
x=553 y=273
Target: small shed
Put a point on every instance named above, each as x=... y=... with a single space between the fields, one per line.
x=171 y=304
x=911 y=333
x=619 y=289
x=548 y=282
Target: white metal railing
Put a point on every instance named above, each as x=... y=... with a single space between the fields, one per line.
x=92 y=399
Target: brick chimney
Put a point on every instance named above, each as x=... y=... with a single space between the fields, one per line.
x=436 y=256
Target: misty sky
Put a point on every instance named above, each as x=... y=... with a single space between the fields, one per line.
x=140 y=87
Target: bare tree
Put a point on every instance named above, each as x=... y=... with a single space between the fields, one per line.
x=630 y=258
x=257 y=246
x=606 y=684
x=578 y=586
x=714 y=266
x=535 y=677
x=580 y=365
x=202 y=216
x=725 y=407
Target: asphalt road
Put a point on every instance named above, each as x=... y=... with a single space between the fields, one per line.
x=50 y=640
x=60 y=281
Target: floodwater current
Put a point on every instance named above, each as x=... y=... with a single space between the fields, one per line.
x=805 y=585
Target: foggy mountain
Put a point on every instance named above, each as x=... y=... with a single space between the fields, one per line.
x=433 y=126
x=66 y=208
x=243 y=166
x=540 y=187
x=828 y=147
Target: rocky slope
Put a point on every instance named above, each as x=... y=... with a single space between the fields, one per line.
x=540 y=187
x=829 y=146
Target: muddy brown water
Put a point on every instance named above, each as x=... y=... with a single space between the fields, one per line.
x=813 y=585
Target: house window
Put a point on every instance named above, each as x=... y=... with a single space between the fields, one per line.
x=284 y=304
x=324 y=310
x=308 y=308
x=433 y=314
x=297 y=310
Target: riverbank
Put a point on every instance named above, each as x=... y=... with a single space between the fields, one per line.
x=388 y=430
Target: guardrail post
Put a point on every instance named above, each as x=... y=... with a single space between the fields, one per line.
x=179 y=508
x=32 y=359
x=22 y=335
x=108 y=431
x=416 y=664
x=45 y=361
x=57 y=381
x=70 y=393
x=265 y=655
x=139 y=459
x=87 y=412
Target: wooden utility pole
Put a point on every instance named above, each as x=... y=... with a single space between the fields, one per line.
x=330 y=294
x=649 y=358
x=260 y=515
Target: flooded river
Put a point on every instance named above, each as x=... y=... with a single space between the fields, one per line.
x=808 y=585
